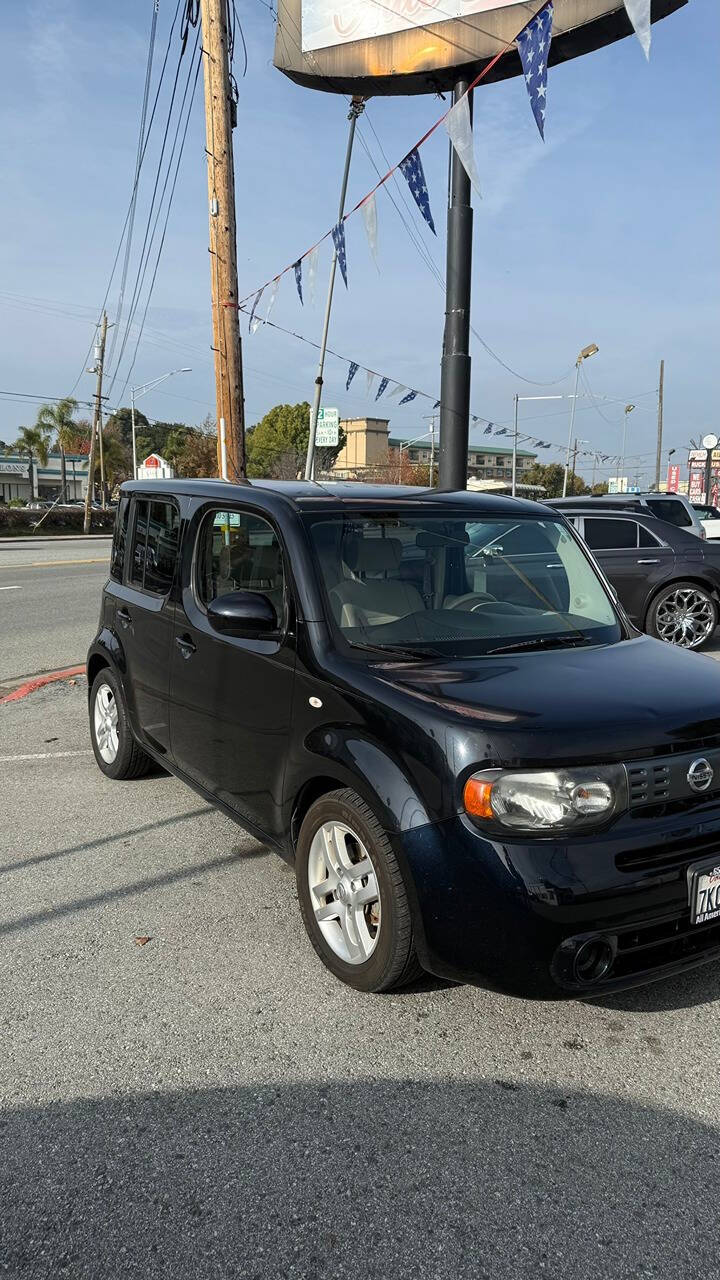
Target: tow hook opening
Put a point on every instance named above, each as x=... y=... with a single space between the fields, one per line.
x=586 y=959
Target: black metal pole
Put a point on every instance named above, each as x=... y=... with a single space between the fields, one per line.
x=455 y=367
x=708 y=475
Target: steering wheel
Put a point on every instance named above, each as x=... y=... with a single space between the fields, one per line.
x=472 y=600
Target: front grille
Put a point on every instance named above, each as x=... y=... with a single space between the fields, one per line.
x=664 y=779
x=667 y=942
x=671 y=856
x=648 y=784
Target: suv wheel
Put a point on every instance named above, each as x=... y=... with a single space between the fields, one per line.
x=352 y=896
x=116 y=751
x=684 y=614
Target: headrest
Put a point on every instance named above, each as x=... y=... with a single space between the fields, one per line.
x=266 y=561
x=372 y=555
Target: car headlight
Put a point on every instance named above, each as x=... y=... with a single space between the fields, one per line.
x=547 y=799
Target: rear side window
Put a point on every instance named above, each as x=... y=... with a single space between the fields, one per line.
x=671 y=510
x=155 y=545
x=647 y=539
x=610 y=535
x=117 y=558
x=238 y=551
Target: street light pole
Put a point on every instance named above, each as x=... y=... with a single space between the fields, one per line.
x=585 y=354
x=516 y=400
x=140 y=391
x=628 y=409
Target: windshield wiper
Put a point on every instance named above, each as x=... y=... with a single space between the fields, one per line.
x=393 y=651
x=544 y=642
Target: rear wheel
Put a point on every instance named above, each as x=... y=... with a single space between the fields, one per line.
x=352 y=895
x=685 y=614
x=116 y=751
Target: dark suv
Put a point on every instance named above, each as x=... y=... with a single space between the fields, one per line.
x=432 y=705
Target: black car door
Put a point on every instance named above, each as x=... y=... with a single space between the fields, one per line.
x=230 y=696
x=635 y=559
x=143 y=612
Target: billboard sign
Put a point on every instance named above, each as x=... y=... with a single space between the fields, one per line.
x=326 y=23
x=673 y=478
x=618 y=484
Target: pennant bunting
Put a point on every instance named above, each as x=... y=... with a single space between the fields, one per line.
x=381 y=388
x=503 y=431
x=475 y=418
x=273 y=296
x=488 y=429
x=412 y=171
x=638 y=12
x=533 y=45
x=351 y=374
x=312 y=262
x=410 y=396
x=397 y=391
x=459 y=127
x=369 y=380
x=297 y=267
x=369 y=213
x=252 y=322
x=436 y=404
x=338 y=236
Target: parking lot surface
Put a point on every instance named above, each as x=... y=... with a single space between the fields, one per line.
x=212 y=1103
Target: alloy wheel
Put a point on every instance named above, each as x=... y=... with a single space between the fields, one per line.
x=685 y=617
x=344 y=892
x=105 y=721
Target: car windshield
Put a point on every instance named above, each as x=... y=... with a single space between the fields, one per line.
x=442 y=585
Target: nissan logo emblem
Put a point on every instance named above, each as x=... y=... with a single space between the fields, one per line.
x=700 y=774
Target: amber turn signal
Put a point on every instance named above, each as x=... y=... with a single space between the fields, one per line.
x=476 y=797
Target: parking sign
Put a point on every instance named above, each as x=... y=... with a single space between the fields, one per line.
x=328 y=429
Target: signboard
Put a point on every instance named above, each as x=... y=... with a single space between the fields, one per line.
x=326 y=23
x=152 y=461
x=154 y=467
x=14 y=468
x=673 y=479
x=618 y=484
x=328 y=429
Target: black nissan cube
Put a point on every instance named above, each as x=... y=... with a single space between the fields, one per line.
x=432 y=704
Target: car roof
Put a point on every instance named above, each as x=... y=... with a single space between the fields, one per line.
x=615 y=499
x=306 y=495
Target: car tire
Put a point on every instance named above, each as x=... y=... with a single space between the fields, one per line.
x=117 y=753
x=683 y=613
x=365 y=933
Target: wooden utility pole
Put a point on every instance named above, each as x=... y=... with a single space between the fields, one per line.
x=658 y=457
x=97 y=424
x=574 y=461
x=219 y=113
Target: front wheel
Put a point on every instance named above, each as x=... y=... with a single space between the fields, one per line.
x=684 y=614
x=352 y=895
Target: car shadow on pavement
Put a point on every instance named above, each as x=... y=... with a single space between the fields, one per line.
x=684 y=991
x=385 y=1179
x=97 y=843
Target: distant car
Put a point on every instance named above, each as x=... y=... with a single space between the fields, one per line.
x=38 y=504
x=709 y=518
x=672 y=507
x=667 y=580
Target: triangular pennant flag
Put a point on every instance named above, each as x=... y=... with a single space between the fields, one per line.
x=381 y=388
x=273 y=296
x=459 y=127
x=297 y=267
x=488 y=429
x=436 y=404
x=475 y=418
x=397 y=390
x=369 y=213
x=338 y=236
x=412 y=170
x=639 y=14
x=503 y=431
x=534 y=48
x=369 y=380
x=410 y=396
x=311 y=259
x=252 y=322
x=351 y=374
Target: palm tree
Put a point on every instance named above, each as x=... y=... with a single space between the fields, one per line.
x=35 y=442
x=58 y=419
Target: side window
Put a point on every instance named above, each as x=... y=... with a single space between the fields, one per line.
x=610 y=535
x=238 y=551
x=647 y=539
x=672 y=511
x=155 y=545
x=117 y=558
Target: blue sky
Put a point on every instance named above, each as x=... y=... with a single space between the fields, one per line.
x=608 y=233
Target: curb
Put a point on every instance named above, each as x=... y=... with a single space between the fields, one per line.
x=38 y=682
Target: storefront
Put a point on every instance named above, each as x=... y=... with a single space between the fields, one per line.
x=16 y=482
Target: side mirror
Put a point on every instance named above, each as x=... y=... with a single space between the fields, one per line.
x=242 y=613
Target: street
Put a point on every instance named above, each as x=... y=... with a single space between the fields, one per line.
x=213 y=1103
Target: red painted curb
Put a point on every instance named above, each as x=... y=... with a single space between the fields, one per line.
x=31 y=685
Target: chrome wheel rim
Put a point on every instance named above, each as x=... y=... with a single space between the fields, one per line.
x=344 y=892
x=685 y=617
x=105 y=720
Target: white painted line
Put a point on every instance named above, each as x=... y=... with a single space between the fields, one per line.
x=45 y=755
x=10 y=588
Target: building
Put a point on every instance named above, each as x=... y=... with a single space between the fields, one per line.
x=485 y=462
x=155 y=467
x=366 y=445
x=15 y=481
x=369 y=441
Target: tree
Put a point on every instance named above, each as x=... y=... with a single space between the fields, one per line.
x=121 y=420
x=196 y=455
x=154 y=437
x=58 y=419
x=550 y=477
x=35 y=443
x=277 y=446
x=116 y=463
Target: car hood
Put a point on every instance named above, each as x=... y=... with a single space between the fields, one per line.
x=639 y=696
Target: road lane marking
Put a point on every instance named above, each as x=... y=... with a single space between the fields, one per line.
x=45 y=755
x=50 y=564
x=10 y=588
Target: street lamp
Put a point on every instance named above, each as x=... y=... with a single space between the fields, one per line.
x=405 y=444
x=591 y=350
x=628 y=409
x=140 y=391
x=516 y=400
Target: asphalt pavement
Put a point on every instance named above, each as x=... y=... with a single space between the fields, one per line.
x=211 y=1103
x=50 y=591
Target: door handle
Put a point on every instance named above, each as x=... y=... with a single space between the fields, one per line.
x=185 y=645
x=123 y=617
x=648 y=561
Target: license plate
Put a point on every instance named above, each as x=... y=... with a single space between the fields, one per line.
x=704 y=886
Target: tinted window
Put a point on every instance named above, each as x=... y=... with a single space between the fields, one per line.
x=671 y=510
x=119 y=539
x=647 y=539
x=610 y=535
x=239 y=552
x=155 y=545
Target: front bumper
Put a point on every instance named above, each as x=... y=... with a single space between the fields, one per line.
x=515 y=915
